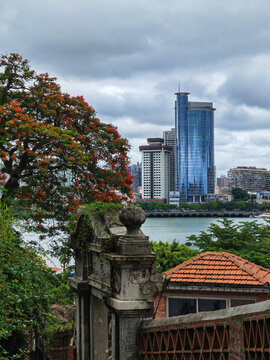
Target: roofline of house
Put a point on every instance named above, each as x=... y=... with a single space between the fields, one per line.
x=219 y=287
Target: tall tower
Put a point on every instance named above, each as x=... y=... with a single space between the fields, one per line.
x=194 y=124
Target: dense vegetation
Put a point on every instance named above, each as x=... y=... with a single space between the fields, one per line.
x=240 y=194
x=54 y=152
x=234 y=205
x=250 y=240
x=27 y=289
x=171 y=254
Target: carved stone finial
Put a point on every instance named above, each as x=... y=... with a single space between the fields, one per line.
x=132 y=217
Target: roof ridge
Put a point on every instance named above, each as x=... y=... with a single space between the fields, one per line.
x=244 y=263
x=233 y=265
x=184 y=264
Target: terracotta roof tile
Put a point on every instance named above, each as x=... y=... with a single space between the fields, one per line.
x=219 y=268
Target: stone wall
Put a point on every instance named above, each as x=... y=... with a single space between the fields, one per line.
x=237 y=333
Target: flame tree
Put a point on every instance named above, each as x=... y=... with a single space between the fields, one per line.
x=54 y=153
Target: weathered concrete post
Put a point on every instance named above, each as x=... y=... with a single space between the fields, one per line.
x=135 y=283
x=116 y=279
x=80 y=284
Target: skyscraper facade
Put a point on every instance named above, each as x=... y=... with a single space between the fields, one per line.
x=155 y=169
x=135 y=171
x=195 y=170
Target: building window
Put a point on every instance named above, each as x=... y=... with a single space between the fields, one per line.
x=211 y=304
x=183 y=306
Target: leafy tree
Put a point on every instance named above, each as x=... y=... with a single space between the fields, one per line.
x=240 y=194
x=27 y=289
x=171 y=254
x=54 y=153
x=250 y=240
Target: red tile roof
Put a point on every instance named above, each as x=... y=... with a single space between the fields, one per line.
x=219 y=268
x=53 y=268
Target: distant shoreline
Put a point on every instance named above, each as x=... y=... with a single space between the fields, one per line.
x=164 y=213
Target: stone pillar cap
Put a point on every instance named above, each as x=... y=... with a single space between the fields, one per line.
x=132 y=217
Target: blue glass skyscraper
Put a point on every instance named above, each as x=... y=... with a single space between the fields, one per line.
x=194 y=124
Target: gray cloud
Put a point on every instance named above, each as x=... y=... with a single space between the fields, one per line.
x=127 y=58
x=123 y=38
x=241 y=118
x=249 y=84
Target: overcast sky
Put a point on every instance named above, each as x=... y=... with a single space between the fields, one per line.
x=127 y=58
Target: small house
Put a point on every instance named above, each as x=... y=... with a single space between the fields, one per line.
x=212 y=281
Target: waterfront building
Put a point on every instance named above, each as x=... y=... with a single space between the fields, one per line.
x=263 y=196
x=249 y=178
x=155 y=169
x=174 y=198
x=194 y=124
x=135 y=171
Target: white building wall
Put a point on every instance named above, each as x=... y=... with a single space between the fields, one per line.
x=155 y=174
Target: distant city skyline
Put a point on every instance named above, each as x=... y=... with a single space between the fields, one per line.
x=182 y=162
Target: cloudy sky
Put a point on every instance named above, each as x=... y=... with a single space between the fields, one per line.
x=128 y=57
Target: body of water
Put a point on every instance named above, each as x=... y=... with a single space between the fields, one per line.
x=168 y=229
x=158 y=229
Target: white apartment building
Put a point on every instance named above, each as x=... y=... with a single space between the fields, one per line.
x=155 y=169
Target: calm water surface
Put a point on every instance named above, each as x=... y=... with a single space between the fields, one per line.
x=159 y=229
x=168 y=229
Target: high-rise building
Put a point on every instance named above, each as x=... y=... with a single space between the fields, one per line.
x=169 y=139
x=155 y=169
x=135 y=171
x=222 y=182
x=194 y=124
x=249 y=178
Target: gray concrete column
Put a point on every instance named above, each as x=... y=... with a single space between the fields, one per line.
x=128 y=344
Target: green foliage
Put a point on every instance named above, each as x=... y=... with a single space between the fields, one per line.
x=250 y=240
x=153 y=205
x=234 y=205
x=27 y=289
x=61 y=291
x=100 y=208
x=86 y=227
x=171 y=254
x=55 y=154
x=240 y=194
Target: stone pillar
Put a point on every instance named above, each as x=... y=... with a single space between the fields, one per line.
x=128 y=344
x=116 y=270
x=236 y=341
x=99 y=329
x=134 y=284
x=82 y=318
x=80 y=284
